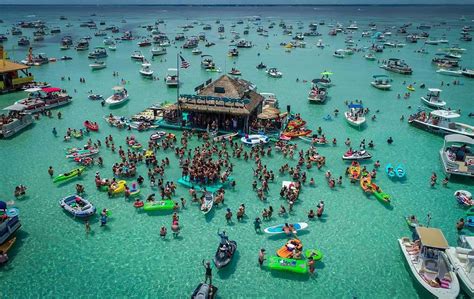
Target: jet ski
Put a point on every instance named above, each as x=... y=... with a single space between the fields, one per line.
x=357 y=155
x=224 y=254
x=204 y=291
x=261 y=66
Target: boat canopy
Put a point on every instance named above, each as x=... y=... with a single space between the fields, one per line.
x=51 y=89
x=434 y=90
x=445 y=114
x=15 y=107
x=459 y=138
x=432 y=237
x=356 y=106
x=325 y=73
x=118 y=88
x=379 y=76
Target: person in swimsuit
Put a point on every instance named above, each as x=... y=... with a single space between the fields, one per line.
x=207 y=266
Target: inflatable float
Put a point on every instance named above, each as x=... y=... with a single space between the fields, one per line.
x=278 y=229
x=77 y=206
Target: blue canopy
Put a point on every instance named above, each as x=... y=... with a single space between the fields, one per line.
x=355 y=106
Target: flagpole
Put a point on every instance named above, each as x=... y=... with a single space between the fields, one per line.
x=177 y=72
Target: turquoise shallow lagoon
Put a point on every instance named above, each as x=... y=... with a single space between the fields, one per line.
x=53 y=256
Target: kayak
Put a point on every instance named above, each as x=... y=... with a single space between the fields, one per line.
x=389 y=170
x=400 y=171
x=92 y=126
x=77 y=206
x=297 y=133
x=278 y=229
x=206 y=206
x=204 y=291
x=366 y=184
x=69 y=175
x=118 y=187
x=290 y=265
x=160 y=205
x=223 y=257
x=314 y=253
x=380 y=195
x=295 y=124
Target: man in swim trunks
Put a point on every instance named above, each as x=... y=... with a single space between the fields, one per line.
x=261 y=256
x=207 y=266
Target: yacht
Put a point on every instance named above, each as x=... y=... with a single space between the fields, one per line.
x=450 y=72
x=137 y=55
x=340 y=53
x=457 y=156
x=352 y=26
x=82 y=45
x=120 y=96
x=207 y=62
x=462 y=259
x=146 y=71
x=440 y=122
x=23 y=41
x=381 y=82
x=172 y=79
x=196 y=51
x=429 y=264
x=157 y=51
x=40 y=99
x=432 y=99
x=397 y=66
x=355 y=116
x=317 y=94
x=97 y=53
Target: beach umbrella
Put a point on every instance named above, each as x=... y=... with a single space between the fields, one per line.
x=325 y=73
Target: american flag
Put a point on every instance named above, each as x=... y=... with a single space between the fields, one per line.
x=184 y=63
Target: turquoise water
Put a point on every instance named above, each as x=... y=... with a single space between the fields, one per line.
x=53 y=256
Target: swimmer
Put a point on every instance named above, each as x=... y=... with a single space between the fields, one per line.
x=390 y=140
x=50 y=171
x=257 y=225
x=261 y=256
x=163 y=232
x=460 y=224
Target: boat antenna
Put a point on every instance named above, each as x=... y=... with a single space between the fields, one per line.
x=429 y=219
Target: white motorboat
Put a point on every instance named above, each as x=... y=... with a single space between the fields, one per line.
x=196 y=51
x=370 y=56
x=120 y=96
x=381 y=82
x=432 y=99
x=113 y=48
x=356 y=155
x=317 y=94
x=172 y=79
x=146 y=70
x=157 y=51
x=429 y=264
x=397 y=66
x=137 y=55
x=355 y=116
x=274 y=73
x=462 y=259
x=339 y=53
x=468 y=73
x=320 y=44
x=449 y=72
x=440 y=122
x=457 y=155
x=98 y=65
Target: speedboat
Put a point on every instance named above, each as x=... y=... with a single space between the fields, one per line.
x=397 y=66
x=462 y=259
x=172 y=79
x=120 y=96
x=429 y=264
x=235 y=72
x=10 y=224
x=98 y=65
x=157 y=51
x=77 y=206
x=196 y=51
x=204 y=291
x=355 y=116
x=370 y=56
x=457 y=155
x=98 y=52
x=440 y=122
x=137 y=55
x=224 y=254
x=341 y=53
x=381 y=82
x=432 y=99
x=261 y=66
x=468 y=73
x=317 y=94
x=356 y=155
x=146 y=71
x=113 y=48
x=449 y=72
x=144 y=43
x=207 y=62
x=274 y=73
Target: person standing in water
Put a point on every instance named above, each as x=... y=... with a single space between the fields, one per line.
x=88 y=226
x=51 y=171
x=208 y=275
x=257 y=225
x=261 y=257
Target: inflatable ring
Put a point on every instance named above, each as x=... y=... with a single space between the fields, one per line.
x=12 y=212
x=316 y=254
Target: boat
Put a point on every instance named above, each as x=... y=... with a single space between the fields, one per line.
x=381 y=82
x=120 y=96
x=324 y=81
x=82 y=45
x=269 y=99
x=468 y=73
x=160 y=205
x=457 y=155
x=317 y=94
x=69 y=175
x=92 y=126
x=36 y=60
x=207 y=62
x=356 y=155
x=274 y=73
x=429 y=265
x=355 y=116
x=461 y=257
x=97 y=53
x=397 y=66
x=16 y=121
x=261 y=66
x=224 y=255
x=464 y=198
x=278 y=229
x=5 y=247
x=196 y=51
x=77 y=206
x=390 y=170
x=204 y=291
x=172 y=79
x=440 y=122
x=157 y=51
x=432 y=99
x=289 y=265
x=95 y=97
x=235 y=72
x=97 y=65
x=370 y=56
x=40 y=99
x=208 y=202
x=254 y=139
x=146 y=71
x=450 y=72
x=137 y=55
x=340 y=53
x=144 y=43
x=10 y=224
